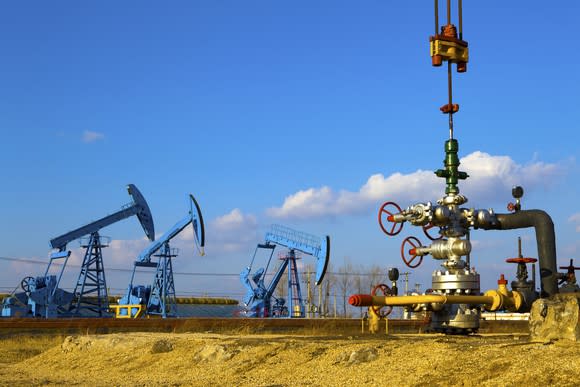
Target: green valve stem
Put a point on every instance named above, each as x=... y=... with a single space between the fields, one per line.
x=451 y=174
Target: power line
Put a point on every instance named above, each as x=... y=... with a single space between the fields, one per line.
x=200 y=274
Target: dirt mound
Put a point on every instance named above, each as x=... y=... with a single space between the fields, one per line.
x=278 y=360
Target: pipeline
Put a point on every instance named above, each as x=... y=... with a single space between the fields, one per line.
x=369 y=300
x=545 y=239
x=492 y=300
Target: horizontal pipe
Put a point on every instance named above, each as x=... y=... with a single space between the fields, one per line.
x=368 y=300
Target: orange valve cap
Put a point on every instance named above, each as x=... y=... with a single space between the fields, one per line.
x=361 y=300
x=502 y=280
x=436 y=60
x=449 y=108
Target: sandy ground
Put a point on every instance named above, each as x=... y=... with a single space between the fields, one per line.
x=205 y=359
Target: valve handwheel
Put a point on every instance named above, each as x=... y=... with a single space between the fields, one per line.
x=386 y=292
x=521 y=260
x=570 y=275
x=571 y=267
x=413 y=243
x=25 y=284
x=426 y=229
x=388 y=209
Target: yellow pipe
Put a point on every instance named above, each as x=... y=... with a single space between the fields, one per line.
x=492 y=300
x=426 y=299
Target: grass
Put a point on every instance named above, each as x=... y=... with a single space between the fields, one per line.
x=18 y=347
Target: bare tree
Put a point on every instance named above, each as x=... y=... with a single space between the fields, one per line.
x=345 y=282
x=324 y=291
x=376 y=275
x=308 y=292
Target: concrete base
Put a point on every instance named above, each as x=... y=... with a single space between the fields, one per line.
x=556 y=318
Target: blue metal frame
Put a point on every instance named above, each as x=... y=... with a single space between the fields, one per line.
x=161 y=300
x=258 y=298
x=46 y=299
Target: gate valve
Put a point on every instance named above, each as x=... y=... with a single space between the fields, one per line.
x=513 y=207
x=522 y=271
x=570 y=276
x=386 y=292
x=412 y=252
x=391 y=225
x=571 y=268
x=517 y=193
x=426 y=229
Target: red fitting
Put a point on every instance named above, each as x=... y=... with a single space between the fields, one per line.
x=449 y=31
x=449 y=108
x=436 y=60
x=361 y=300
x=502 y=280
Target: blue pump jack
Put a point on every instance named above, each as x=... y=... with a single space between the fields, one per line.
x=42 y=296
x=159 y=298
x=259 y=296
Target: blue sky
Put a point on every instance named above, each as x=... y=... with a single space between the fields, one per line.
x=272 y=112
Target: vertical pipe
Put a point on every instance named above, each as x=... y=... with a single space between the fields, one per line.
x=450 y=101
x=308 y=296
x=460 y=10
x=448 y=12
x=290 y=290
x=320 y=300
x=468 y=257
x=534 y=276
x=436 y=17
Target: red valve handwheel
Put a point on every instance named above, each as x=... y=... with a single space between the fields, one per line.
x=521 y=260
x=571 y=267
x=426 y=229
x=386 y=292
x=396 y=227
x=414 y=243
x=511 y=207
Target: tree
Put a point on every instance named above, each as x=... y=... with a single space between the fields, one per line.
x=359 y=283
x=376 y=276
x=345 y=282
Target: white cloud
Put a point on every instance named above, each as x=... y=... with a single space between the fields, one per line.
x=575 y=219
x=489 y=175
x=493 y=175
x=232 y=232
x=90 y=136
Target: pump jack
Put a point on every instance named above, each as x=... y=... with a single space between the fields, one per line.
x=43 y=298
x=159 y=299
x=258 y=299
